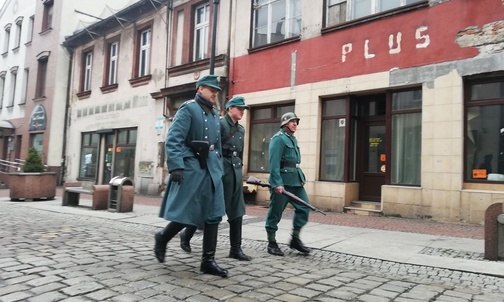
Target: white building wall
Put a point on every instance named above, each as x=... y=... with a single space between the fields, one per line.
x=10 y=11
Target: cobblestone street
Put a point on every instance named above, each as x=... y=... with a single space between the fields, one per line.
x=47 y=256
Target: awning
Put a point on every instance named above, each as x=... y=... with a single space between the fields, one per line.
x=6 y=125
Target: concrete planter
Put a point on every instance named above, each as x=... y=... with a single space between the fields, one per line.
x=32 y=185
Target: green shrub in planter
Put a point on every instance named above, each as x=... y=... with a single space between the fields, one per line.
x=33 y=162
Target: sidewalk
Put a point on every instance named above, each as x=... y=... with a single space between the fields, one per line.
x=455 y=247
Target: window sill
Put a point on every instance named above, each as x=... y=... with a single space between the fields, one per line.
x=195 y=66
x=9 y=106
x=45 y=31
x=15 y=49
x=276 y=44
x=39 y=98
x=140 y=81
x=109 y=88
x=84 y=94
x=4 y=54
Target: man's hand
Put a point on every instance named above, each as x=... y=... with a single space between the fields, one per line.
x=177 y=176
x=279 y=190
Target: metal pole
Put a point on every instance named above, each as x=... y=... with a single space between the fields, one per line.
x=214 y=33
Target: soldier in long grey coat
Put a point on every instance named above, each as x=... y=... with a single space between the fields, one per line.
x=194 y=194
x=233 y=140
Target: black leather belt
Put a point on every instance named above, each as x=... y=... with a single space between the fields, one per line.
x=229 y=153
x=291 y=165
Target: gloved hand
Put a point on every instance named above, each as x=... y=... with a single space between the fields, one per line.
x=177 y=176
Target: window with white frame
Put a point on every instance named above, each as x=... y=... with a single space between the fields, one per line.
x=144 y=52
x=7 y=38
x=13 y=83
x=113 y=49
x=19 y=27
x=26 y=76
x=275 y=20
x=340 y=11
x=87 y=64
x=31 y=23
x=201 y=26
x=2 y=87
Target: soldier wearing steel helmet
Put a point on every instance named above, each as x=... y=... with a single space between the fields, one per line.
x=286 y=174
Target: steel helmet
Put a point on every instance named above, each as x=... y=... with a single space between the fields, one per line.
x=287 y=117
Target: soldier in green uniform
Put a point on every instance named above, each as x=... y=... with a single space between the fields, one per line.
x=232 y=134
x=194 y=194
x=285 y=174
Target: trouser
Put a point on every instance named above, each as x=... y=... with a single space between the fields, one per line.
x=278 y=204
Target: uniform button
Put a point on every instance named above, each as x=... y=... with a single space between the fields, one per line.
x=206 y=136
x=206 y=128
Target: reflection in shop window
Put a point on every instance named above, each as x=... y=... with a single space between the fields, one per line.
x=332 y=161
x=265 y=122
x=406 y=137
x=89 y=155
x=484 y=141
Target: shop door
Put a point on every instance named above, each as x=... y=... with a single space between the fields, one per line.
x=108 y=158
x=372 y=175
x=371 y=146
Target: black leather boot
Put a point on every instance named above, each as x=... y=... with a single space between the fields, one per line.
x=273 y=249
x=208 y=265
x=299 y=246
x=235 y=238
x=162 y=238
x=185 y=238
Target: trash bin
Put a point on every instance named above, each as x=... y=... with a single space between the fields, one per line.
x=121 y=194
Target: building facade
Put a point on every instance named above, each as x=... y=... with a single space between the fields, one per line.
x=17 y=23
x=401 y=102
x=128 y=79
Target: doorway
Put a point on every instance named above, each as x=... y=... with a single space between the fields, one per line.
x=371 y=146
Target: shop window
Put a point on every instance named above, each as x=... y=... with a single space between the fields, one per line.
x=484 y=135
x=37 y=142
x=406 y=148
x=275 y=20
x=332 y=159
x=89 y=155
x=124 y=164
x=264 y=123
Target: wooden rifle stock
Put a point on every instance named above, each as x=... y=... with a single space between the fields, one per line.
x=256 y=181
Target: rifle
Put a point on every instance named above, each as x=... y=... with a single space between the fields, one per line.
x=256 y=181
x=200 y=150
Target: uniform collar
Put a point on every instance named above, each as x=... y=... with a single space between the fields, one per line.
x=229 y=120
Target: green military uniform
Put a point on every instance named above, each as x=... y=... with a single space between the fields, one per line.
x=233 y=135
x=284 y=149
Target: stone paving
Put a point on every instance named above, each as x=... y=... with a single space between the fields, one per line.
x=46 y=256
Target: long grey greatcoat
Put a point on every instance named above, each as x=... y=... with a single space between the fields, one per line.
x=233 y=135
x=200 y=196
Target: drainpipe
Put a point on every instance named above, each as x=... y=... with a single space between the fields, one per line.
x=67 y=109
x=214 y=33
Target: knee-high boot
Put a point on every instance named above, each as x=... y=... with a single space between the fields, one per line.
x=185 y=237
x=162 y=238
x=235 y=238
x=208 y=265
